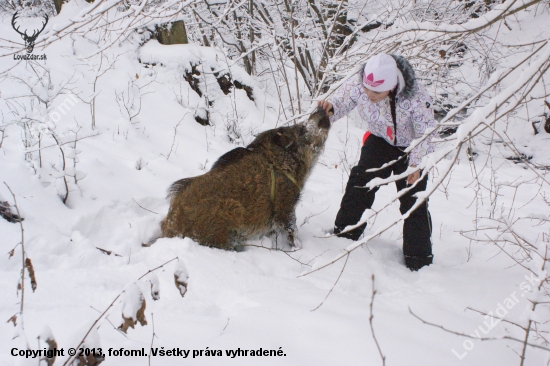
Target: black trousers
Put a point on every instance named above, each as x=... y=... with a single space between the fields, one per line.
x=417 y=227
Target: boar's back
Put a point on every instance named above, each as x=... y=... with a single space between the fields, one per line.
x=230 y=157
x=285 y=137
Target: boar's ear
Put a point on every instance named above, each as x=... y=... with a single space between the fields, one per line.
x=230 y=157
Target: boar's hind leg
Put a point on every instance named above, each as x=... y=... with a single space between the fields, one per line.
x=169 y=228
x=173 y=225
x=222 y=222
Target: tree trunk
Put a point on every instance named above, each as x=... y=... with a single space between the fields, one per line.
x=339 y=32
x=172 y=33
x=58 y=4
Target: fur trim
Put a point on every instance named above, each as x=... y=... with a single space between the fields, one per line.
x=408 y=74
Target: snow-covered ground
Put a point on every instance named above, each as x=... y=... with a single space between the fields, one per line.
x=252 y=299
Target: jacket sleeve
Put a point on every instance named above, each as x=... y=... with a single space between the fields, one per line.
x=345 y=98
x=423 y=119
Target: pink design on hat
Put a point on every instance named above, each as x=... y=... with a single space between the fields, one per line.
x=369 y=80
x=389 y=132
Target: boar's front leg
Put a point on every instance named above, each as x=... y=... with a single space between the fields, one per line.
x=287 y=195
x=291 y=229
x=286 y=224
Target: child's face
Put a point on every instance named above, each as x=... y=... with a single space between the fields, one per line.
x=376 y=97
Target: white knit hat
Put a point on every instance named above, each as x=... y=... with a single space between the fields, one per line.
x=381 y=73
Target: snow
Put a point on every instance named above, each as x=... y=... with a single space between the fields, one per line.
x=181 y=278
x=155 y=286
x=257 y=298
x=46 y=333
x=132 y=301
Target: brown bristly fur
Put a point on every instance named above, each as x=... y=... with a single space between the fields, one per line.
x=234 y=202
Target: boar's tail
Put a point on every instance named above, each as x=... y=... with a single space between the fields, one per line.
x=178 y=186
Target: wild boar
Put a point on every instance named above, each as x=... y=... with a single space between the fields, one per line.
x=250 y=191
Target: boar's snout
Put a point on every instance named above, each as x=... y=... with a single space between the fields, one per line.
x=320 y=118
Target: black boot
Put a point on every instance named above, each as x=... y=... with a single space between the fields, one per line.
x=354 y=234
x=415 y=263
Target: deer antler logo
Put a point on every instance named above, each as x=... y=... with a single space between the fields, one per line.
x=369 y=80
x=29 y=40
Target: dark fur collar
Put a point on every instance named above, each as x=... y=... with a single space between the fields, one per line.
x=408 y=74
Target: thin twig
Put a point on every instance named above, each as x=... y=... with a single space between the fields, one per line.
x=275 y=249
x=332 y=288
x=108 y=252
x=480 y=338
x=279 y=250
x=371 y=317
x=23 y=258
x=226 y=324
x=504 y=320
x=152 y=338
x=145 y=208
x=110 y=322
x=154 y=269
x=306 y=219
